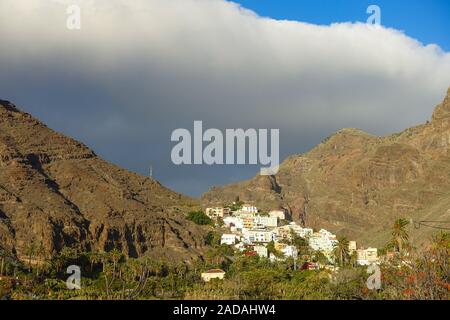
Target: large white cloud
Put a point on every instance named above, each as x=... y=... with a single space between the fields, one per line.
x=139 y=69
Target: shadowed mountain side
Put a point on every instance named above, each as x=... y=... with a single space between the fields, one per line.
x=55 y=193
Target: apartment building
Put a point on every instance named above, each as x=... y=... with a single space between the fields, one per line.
x=217 y=212
x=258 y=236
x=229 y=239
x=366 y=256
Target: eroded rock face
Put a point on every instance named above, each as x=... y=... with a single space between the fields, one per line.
x=442 y=111
x=357 y=184
x=55 y=193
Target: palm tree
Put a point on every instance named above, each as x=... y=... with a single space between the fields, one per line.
x=320 y=257
x=115 y=256
x=94 y=258
x=30 y=250
x=400 y=236
x=341 y=251
x=57 y=262
x=41 y=257
x=3 y=256
x=353 y=259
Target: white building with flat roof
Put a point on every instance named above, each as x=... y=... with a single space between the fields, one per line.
x=269 y=222
x=240 y=246
x=229 y=239
x=300 y=231
x=257 y=236
x=232 y=221
x=290 y=252
x=323 y=241
x=365 y=257
x=279 y=214
x=249 y=208
x=285 y=232
x=261 y=251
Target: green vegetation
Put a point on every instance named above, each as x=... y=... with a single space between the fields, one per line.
x=212 y=238
x=400 y=236
x=108 y=275
x=199 y=218
x=300 y=243
x=237 y=205
x=341 y=252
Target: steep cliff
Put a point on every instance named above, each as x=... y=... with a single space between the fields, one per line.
x=55 y=192
x=357 y=184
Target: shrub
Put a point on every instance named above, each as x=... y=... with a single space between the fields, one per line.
x=199 y=218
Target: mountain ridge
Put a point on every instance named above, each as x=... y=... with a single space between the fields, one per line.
x=356 y=184
x=55 y=192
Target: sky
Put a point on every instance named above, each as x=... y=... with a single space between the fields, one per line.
x=426 y=21
x=138 y=70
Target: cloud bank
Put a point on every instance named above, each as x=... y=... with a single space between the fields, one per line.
x=139 y=69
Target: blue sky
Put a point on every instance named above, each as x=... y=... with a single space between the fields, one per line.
x=427 y=21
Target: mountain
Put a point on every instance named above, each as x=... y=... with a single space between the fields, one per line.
x=357 y=184
x=55 y=193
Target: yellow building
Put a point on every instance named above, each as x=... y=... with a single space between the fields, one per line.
x=352 y=246
x=217 y=212
x=248 y=222
x=280 y=246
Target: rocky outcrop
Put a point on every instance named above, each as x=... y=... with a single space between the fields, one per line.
x=442 y=111
x=357 y=184
x=55 y=193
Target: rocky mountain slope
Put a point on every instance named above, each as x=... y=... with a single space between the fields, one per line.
x=356 y=184
x=55 y=192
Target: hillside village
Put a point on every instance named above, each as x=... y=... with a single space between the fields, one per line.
x=271 y=235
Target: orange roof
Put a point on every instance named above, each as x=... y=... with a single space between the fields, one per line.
x=215 y=271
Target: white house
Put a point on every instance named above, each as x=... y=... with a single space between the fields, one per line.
x=327 y=233
x=284 y=232
x=213 y=274
x=301 y=232
x=249 y=208
x=367 y=256
x=229 y=239
x=269 y=222
x=290 y=251
x=274 y=258
x=234 y=229
x=236 y=222
x=352 y=246
x=254 y=235
x=323 y=241
x=279 y=214
x=261 y=251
